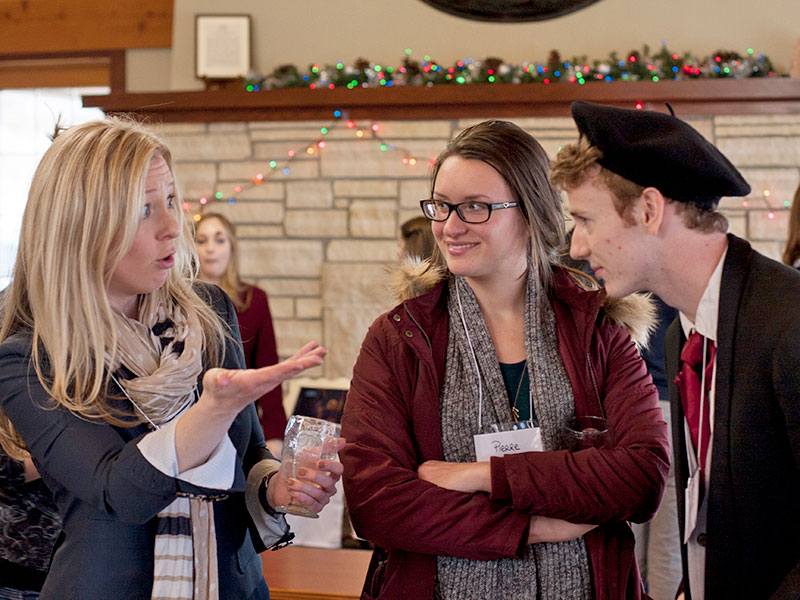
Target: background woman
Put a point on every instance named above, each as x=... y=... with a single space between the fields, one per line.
x=218 y=251
x=498 y=333
x=791 y=254
x=123 y=380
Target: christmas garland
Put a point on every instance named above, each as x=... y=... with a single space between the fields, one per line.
x=635 y=66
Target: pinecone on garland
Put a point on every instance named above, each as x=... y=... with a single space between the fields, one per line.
x=361 y=64
x=412 y=67
x=728 y=55
x=554 y=61
x=287 y=76
x=493 y=63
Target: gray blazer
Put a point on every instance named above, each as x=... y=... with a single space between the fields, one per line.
x=108 y=494
x=752 y=548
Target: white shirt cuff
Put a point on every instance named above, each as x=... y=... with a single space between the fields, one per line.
x=158 y=448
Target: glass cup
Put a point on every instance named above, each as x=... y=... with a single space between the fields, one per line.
x=581 y=433
x=306 y=441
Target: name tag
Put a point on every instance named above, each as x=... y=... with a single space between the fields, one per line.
x=507 y=442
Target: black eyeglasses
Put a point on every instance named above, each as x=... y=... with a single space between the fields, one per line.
x=469 y=212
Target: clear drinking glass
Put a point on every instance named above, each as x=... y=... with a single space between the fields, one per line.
x=586 y=432
x=306 y=441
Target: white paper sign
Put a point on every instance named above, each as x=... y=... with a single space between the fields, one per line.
x=507 y=442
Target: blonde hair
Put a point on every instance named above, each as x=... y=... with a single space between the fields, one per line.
x=523 y=164
x=792 y=251
x=576 y=163
x=84 y=208
x=231 y=280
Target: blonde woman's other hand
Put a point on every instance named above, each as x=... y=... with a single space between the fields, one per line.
x=312 y=488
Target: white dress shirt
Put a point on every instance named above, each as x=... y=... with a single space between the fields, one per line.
x=705 y=323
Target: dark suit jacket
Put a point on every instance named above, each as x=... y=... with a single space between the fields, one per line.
x=753 y=529
x=108 y=494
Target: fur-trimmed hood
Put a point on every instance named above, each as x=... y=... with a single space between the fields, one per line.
x=636 y=312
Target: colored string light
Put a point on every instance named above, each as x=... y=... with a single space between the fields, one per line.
x=310 y=149
x=383 y=146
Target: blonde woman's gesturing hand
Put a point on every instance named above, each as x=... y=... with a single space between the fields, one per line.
x=233 y=389
x=226 y=392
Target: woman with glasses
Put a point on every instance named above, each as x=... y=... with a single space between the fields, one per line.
x=456 y=467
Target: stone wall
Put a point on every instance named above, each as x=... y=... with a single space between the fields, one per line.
x=319 y=238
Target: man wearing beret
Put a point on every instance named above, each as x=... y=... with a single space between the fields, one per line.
x=643 y=188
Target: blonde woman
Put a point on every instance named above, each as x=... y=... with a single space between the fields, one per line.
x=123 y=380
x=218 y=251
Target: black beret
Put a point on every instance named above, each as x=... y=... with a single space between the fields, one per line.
x=659 y=150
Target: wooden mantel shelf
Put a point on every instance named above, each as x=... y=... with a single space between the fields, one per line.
x=702 y=97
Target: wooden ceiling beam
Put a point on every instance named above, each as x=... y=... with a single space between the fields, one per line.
x=47 y=26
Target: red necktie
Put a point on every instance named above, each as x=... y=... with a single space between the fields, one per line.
x=689 y=382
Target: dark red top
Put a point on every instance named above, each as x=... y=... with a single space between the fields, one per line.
x=260 y=350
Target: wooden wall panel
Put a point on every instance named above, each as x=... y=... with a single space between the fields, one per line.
x=54 y=26
x=62 y=70
x=55 y=72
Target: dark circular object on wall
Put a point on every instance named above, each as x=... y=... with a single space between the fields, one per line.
x=509 y=11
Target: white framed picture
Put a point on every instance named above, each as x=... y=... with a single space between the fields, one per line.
x=222 y=46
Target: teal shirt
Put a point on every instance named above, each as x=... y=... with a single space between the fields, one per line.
x=515 y=376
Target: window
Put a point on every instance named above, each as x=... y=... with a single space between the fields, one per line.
x=27 y=119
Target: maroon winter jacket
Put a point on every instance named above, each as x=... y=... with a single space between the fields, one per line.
x=392 y=425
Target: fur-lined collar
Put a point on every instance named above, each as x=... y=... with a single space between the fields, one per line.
x=636 y=312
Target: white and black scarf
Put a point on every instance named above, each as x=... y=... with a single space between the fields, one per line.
x=163 y=349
